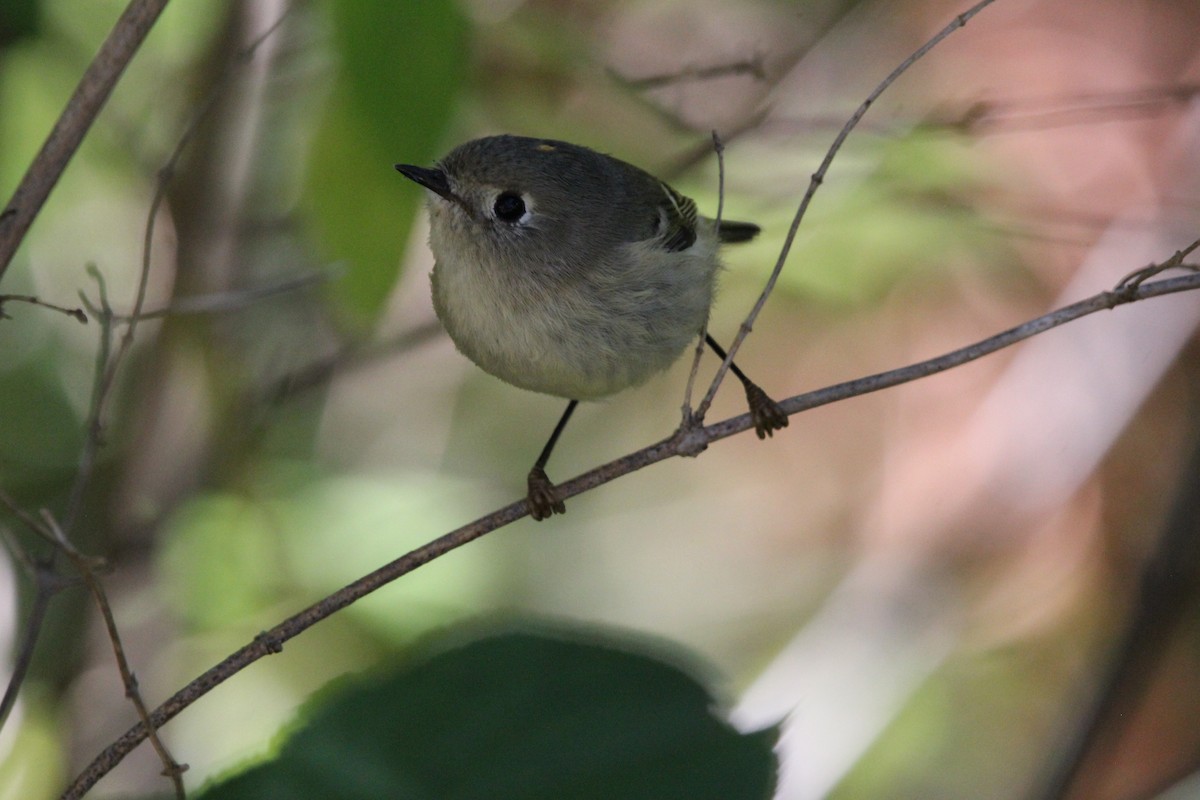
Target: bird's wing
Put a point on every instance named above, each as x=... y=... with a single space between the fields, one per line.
x=678 y=227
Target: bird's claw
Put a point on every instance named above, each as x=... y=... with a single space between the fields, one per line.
x=543 y=496
x=767 y=415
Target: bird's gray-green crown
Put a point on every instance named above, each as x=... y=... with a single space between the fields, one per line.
x=544 y=194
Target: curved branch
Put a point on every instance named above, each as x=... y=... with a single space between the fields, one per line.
x=680 y=444
x=818 y=178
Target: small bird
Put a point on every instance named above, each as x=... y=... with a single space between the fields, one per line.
x=568 y=272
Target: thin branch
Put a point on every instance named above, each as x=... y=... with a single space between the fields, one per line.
x=167 y=173
x=94 y=88
x=1035 y=114
x=77 y=117
x=817 y=179
x=272 y=641
x=48 y=528
x=94 y=432
x=86 y=566
x=77 y=313
x=109 y=365
x=690 y=420
x=719 y=149
x=752 y=66
x=44 y=590
x=47 y=583
x=348 y=357
x=234 y=300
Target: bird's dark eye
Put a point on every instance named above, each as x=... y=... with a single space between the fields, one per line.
x=509 y=207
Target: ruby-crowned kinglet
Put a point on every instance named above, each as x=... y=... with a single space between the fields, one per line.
x=568 y=272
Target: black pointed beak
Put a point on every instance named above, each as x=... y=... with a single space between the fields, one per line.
x=432 y=179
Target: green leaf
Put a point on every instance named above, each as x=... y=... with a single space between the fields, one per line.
x=520 y=715
x=401 y=67
x=912 y=216
x=40 y=432
x=19 y=19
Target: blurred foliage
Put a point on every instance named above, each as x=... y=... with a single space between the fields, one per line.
x=224 y=505
x=301 y=535
x=517 y=716
x=40 y=433
x=864 y=236
x=385 y=106
x=985 y=739
x=35 y=765
x=19 y=19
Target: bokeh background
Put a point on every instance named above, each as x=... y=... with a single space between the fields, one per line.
x=927 y=582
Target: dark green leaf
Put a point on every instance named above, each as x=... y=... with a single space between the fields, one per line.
x=520 y=716
x=401 y=66
x=19 y=19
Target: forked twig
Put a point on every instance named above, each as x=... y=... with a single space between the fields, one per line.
x=47 y=528
x=272 y=641
x=817 y=179
x=77 y=117
x=86 y=567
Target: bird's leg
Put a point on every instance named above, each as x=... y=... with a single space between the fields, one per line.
x=543 y=495
x=767 y=415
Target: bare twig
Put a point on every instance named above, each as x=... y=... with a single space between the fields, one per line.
x=752 y=66
x=719 y=149
x=45 y=588
x=90 y=95
x=1176 y=261
x=817 y=178
x=235 y=300
x=272 y=641
x=48 y=528
x=108 y=365
x=86 y=565
x=47 y=583
x=77 y=313
x=347 y=357
x=990 y=117
x=167 y=173
x=690 y=420
x=94 y=438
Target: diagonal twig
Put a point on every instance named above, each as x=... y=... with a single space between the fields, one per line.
x=107 y=367
x=86 y=566
x=817 y=179
x=73 y=124
x=272 y=641
x=690 y=420
x=46 y=584
x=77 y=313
x=47 y=527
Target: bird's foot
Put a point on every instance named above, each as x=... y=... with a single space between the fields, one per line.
x=543 y=496
x=767 y=415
